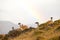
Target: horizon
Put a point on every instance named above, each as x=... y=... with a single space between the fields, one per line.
x=6 y=24
x=29 y=11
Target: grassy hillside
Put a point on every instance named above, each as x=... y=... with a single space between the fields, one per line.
x=46 y=31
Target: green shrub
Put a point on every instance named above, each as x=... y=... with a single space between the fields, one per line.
x=14 y=33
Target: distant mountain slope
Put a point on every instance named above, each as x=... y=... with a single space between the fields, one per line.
x=5 y=26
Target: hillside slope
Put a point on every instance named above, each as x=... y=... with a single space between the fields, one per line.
x=46 y=31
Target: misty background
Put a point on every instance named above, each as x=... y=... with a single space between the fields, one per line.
x=27 y=12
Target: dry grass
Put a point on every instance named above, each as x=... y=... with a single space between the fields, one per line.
x=46 y=31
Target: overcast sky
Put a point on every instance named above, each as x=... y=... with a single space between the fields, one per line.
x=29 y=11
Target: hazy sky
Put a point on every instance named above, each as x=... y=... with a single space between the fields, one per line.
x=29 y=11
